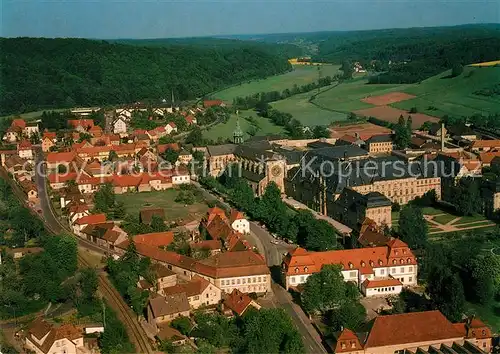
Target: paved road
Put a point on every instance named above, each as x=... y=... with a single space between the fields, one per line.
x=274 y=255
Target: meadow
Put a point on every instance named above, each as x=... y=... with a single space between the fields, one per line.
x=263 y=127
x=300 y=75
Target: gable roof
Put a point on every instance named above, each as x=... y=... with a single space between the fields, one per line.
x=156 y=239
x=409 y=328
x=194 y=287
x=54 y=157
x=91 y=219
x=347 y=341
x=169 y=305
x=238 y=302
x=146 y=214
x=236 y=215
x=477 y=144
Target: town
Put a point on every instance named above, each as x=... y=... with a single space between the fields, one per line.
x=290 y=193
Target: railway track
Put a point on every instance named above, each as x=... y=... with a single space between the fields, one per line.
x=114 y=298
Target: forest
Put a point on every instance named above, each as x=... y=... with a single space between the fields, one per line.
x=413 y=54
x=42 y=73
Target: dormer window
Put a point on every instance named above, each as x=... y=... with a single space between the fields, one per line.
x=343 y=345
x=394 y=261
x=296 y=269
x=380 y=262
x=401 y=261
x=353 y=344
x=305 y=269
x=483 y=332
x=396 y=252
x=371 y=263
x=351 y=265
x=404 y=251
x=408 y=260
x=363 y=263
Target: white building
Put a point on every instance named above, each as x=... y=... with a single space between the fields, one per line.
x=239 y=222
x=43 y=338
x=119 y=126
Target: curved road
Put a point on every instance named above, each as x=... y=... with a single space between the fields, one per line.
x=125 y=314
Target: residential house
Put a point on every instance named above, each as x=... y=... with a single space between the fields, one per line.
x=77 y=211
x=25 y=150
x=59 y=181
x=212 y=103
x=81 y=125
x=120 y=126
x=184 y=158
x=416 y=332
x=379 y=144
x=16 y=131
x=30 y=189
x=238 y=303
x=485 y=145
x=164 y=276
x=43 y=338
x=83 y=222
x=191 y=119
x=199 y=292
x=170 y=128
x=163 y=309
x=47 y=144
x=19 y=252
x=392 y=263
x=239 y=222
x=70 y=196
x=14 y=164
x=155 y=239
x=371 y=235
x=106 y=234
x=54 y=159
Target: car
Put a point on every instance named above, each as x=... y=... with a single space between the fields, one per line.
x=274 y=242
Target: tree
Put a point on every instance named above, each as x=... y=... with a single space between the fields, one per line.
x=182 y=324
x=351 y=315
x=447 y=293
x=321 y=131
x=347 y=69
x=327 y=290
x=170 y=155
x=88 y=284
x=157 y=224
x=402 y=133
x=62 y=169
x=485 y=275
x=413 y=228
x=352 y=116
x=113 y=156
x=467 y=196
x=457 y=69
x=414 y=110
x=195 y=137
x=84 y=137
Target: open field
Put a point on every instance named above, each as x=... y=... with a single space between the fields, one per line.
x=264 y=127
x=300 y=75
x=35 y=114
x=134 y=202
x=487 y=63
x=388 y=98
x=391 y=115
x=442 y=95
x=307 y=113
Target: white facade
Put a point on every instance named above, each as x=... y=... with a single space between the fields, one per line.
x=26 y=154
x=61 y=346
x=241 y=225
x=181 y=179
x=170 y=129
x=119 y=126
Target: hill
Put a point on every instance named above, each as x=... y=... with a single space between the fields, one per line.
x=38 y=72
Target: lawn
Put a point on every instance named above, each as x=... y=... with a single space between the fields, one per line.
x=307 y=113
x=134 y=202
x=490 y=313
x=454 y=96
x=32 y=115
x=470 y=219
x=300 y=75
x=444 y=219
x=264 y=127
x=431 y=211
x=474 y=224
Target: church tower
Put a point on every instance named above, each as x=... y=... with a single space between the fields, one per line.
x=238 y=133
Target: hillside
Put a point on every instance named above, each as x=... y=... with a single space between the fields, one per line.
x=38 y=73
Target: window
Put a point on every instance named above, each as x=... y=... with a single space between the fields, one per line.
x=352 y=274
x=238 y=281
x=292 y=279
x=343 y=345
x=258 y=279
x=305 y=269
x=402 y=270
x=232 y=281
x=206 y=296
x=410 y=279
x=302 y=279
x=382 y=271
x=410 y=269
x=296 y=269
x=254 y=279
x=197 y=297
x=222 y=282
x=244 y=281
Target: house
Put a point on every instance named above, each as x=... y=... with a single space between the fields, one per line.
x=30 y=189
x=155 y=239
x=70 y=196
x=120 y=126
x=13 y=164
x=181 y=176
x=15 y=131
x=379 y=144
x=199 y=292
x=125 y=183
x=105 y=234
x=47 y=144
x=387 y=268
x=212 y=103
x=59 y=181
x=146 y=215
x=416 y=332
x=25 y=150
x=44 y=338
x=161 y=148
x=81 y=125
x=184 y=158
x=167 y=333
x=84 y=221
x=96 y=131
x=54 y=159
x=371 y=235
x=239 y=222
x=191 y=119
x=163 y=309
x=77 y=210
x=170 y=128
x=485 y=145
x=238 y=303
x=164 y=276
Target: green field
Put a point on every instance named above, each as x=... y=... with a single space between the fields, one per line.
x=134 y=202
x=454 y=96
x=264 y=127
x=300 y=75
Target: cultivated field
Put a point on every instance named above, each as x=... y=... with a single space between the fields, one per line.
x=390 y=114
x=263 y=127
x=388 y=98
x=178 y=212
x=300 y=75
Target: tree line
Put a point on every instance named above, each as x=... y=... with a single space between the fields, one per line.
x=80 y=72
x=251 y=101
x=300 y=227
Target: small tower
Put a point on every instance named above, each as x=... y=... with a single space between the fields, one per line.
x=238 y=133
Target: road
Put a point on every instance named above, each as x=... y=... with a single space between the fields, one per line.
x=274 y=255
x=136 y=333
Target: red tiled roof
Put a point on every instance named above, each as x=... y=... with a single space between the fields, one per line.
x=91 y=219
x=485 y=144
x=238 y=302
x=487 y=157
x=347 y=341
x=81 y=122
x=49 y=135
x=370 y=284
x=156 y=239
x=160 y=129
x=54 y=157
x=161 y=148
x=236 y=215
x=348 y=138
x=24 y=145
x=207 y=244
x=18 y=123
x=192 y=288
x=126 y=180
x=210 y=103
x=190 y=119
x=215 y=211
x=172 y=124
x=62 y=178
x=414 y=327
x=78 y=208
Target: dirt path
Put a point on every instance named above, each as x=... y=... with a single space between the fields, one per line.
x=450 y=225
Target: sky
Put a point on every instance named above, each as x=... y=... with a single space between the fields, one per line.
x=111 y=19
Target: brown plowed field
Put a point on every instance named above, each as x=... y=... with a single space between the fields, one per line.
x=388 y=98
x=390 y=114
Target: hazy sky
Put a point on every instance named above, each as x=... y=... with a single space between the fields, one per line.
x=182 y=18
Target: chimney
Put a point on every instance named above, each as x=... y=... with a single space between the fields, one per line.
x=442 y=137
